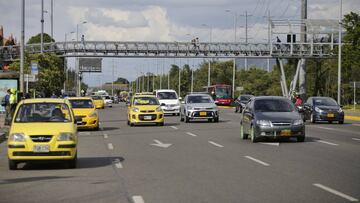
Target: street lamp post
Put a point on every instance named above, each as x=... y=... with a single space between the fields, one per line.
x=22 y=54
x=234 y=60
x=339 y=55
x=42 y=27
x=209 y=63
x=65 y=69
x=77 y=60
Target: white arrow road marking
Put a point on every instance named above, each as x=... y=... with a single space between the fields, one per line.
x=138 y=199
x=271 y=143
x=329 y=143
x=189 y=133
x=174 y=127
x=215 y=144
x=160 y=144
x=356 y=139
x=110 y=146
x=105 y=136
x=351 y=199
x=117 y=163
x=257 y=160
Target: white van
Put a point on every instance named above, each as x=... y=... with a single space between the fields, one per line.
x=171 y=101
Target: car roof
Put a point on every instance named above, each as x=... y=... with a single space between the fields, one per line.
x=79 y=98
x=321 y=98
x=198 y=94
x=43 y=100
x=269 y=97
x=165 y=90
x=144 y=95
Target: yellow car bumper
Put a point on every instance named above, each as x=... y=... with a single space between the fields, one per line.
x=26 y=151
x=89 y=123
x=138 y=118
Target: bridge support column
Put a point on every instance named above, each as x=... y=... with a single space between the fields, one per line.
x=283 y=78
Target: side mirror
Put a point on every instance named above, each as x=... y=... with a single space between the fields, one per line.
x=78 y=120
x=182 y=102
x=162 y=104
x=180 y=98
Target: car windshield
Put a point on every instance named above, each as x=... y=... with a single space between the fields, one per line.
x=96 y=98
x=325 y=102
x=43 y=112
x=82 y=104
x=273 y=105
x=245 y=98
x=146 y=101
x=199 y=99
x=223 y=93
x=166 y=95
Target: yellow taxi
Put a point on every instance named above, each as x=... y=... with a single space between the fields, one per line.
x=84 y=108
x=42 y=130
x=98 y=102
x=145 y=109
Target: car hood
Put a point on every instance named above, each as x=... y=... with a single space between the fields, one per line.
x=202 y=105
x=329 y=107
x=146 y=107
x=80 y=112
x=277 y=116
x=169 y=101
x=42 y=128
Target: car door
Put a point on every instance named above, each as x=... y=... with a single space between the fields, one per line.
x=247 y=116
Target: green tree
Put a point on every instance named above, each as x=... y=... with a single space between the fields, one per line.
x=37 y=39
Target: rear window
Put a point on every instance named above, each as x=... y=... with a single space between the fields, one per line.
x=82 y=104
x=273 y=105
x=166 y=95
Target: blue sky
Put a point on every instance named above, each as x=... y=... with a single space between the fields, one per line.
x=158 y=20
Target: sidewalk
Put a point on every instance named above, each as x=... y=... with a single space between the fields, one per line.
x=3 y=129
x=352 y=115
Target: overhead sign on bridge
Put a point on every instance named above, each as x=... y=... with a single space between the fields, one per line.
x=90 y=64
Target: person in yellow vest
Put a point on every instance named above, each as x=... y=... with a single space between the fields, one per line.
x=12 y=101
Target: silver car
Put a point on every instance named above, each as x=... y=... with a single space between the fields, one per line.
x=199 y=106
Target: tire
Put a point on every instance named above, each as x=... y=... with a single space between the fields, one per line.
x=12 y=165
x=181 y=118
x=242 y=134
x=301 y=138
x=312 y=119
x=72 y=163
x=96 y=128
x=252 y=135
x=160 y=124
x=210 y=120
x=131 y=124
x=216 y=120
x=341 y=122
x=128 y=122
x=330 y=122
x=187 y=120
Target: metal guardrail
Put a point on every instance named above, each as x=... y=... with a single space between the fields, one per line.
x=176 y=49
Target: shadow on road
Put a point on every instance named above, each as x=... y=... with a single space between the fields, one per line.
x=31 y=179
x=109 y=128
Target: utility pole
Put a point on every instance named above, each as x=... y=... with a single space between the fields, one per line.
x=208 y=84
x=52 y=19
x=192 y=80
x=339 y=54
x=246 y=36
x=233 y=79
x=269 y=40
x=42 y=27
x=302 y=71
x=112 y=79
x=179 y=90
x=22 y=54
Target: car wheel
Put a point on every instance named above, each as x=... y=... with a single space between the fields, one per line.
x=210 y=120
x=341 y=122
x=161 y=124
x=128 y=122
x=12 y=164
x=131 y=124
x=242 y=134
x=72 y=163
x=216 y=119
x=312 y=118
x=301 y=138
x=96 y=128
x=181 y=118
x=253 y=135
x=330 y=122
x=187 y=120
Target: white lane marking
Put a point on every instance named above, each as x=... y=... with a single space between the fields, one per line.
x=257 y=160
x=271 y=143
x=189 y=133
x=138 y=199
x=325 y=142
x=117 y=163
x=110 y=146
x=106 y=136
x=215 y=144
x=84 y=133
x=325 y=128
x=335 y=192
x=174 y=127
x=356 y=139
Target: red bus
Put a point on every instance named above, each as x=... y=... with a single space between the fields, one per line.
x=222 y=94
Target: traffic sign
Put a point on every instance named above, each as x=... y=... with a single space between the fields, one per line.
x=34 y=68
x=241 y=88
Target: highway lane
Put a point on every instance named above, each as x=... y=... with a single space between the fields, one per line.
x=206 y=162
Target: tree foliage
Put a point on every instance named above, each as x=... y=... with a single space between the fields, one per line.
x=37 y=39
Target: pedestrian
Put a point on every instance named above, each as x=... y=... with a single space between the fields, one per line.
x=12 y=101
x=6 y=104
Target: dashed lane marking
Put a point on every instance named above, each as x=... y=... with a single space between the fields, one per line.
x=325 y=142
x=189 y=133
x=271 y=143
x=106 y=136
x=138 y=199
x=84 y=133
x=257 y=161
x=174 y=127
x=215 y=144
x=110 y=146
x=335 y=192
x=117 y=163
x=356 y=139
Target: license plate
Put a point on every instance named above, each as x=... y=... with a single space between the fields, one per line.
x=285 y=133
x=147 y=117
x=41 y=148
x=330 y=115
x=202 y=113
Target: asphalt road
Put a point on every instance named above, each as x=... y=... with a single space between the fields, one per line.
x=206 y=162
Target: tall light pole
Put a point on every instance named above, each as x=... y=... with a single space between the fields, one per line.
x=65 y=69
x=22 y=54
x=339 y=54
x=42 y=27
x=77 y=72
x=52 y=19
x=209 y=63
x=234 y=60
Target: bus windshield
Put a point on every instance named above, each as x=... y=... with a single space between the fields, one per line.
x=223 y=93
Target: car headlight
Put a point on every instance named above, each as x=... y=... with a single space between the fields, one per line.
x=17 y=137
x=340 y=110
x=159 y=109
x=264 y=123
x=317 y=109
x=189 y=108
x=93 y=114
x=298 y=122
x=134 y=109
x=65 y=137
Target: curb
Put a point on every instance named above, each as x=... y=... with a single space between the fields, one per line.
x=354 y=118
